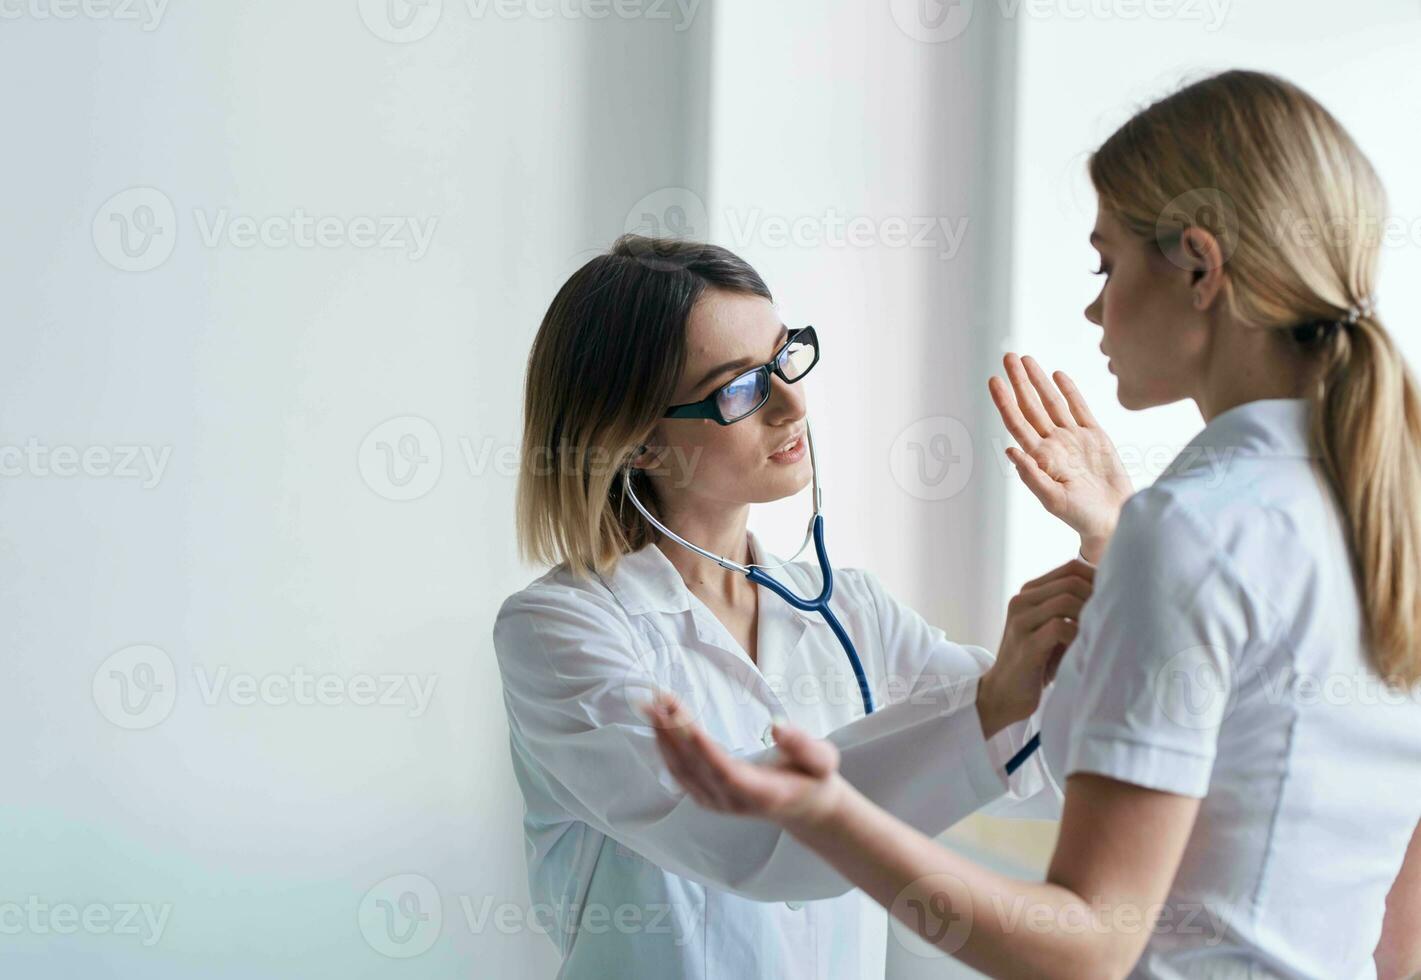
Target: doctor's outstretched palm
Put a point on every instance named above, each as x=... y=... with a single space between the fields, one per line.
x=1065 y=459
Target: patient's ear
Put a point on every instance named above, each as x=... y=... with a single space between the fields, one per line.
x=1200 y=254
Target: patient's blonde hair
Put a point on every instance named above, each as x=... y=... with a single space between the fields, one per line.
x=1298 y=211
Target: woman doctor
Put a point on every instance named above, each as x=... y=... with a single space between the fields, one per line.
x=1238 y=725
x=641 y=881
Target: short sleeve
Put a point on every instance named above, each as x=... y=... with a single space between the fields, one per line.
x=1155 y=658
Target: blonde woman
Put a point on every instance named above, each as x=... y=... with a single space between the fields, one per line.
x=669 y=357
x=1237 y=724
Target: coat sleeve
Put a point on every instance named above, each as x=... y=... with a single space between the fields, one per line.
x=920 y=658
x=573 y=679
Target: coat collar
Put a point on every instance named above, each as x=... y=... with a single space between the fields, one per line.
x=645 y=581
x=1269 y=427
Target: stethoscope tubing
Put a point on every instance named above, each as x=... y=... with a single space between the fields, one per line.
x=820 y=604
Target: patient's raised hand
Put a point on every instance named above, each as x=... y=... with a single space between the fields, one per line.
x=1065 y=459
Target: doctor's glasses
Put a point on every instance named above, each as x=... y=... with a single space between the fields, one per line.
x=746 y=393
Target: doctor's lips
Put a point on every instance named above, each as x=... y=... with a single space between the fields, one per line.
x=791 y=451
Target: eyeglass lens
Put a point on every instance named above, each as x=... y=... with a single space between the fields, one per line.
x=750 y=390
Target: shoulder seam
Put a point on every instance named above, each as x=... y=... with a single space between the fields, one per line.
x=1218 y=557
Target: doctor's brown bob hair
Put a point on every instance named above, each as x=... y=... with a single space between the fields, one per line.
x=603 y=369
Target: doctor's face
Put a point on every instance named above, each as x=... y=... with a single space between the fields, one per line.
x=1155 y=339
x=761 y=457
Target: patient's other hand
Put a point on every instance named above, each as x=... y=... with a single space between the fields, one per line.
x=798 y=790
x=1068 y=461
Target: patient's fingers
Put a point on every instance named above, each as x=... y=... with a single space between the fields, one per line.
x=684 y=746
x=735 y=785
x=671 y=755
x=1056 y=406
x=1026 y=396
x=757 y=788
x=816 y=757
x=1020 y=430
x=1037 y=480
x=1075 y=399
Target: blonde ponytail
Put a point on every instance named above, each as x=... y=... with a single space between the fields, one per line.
x=1245 y=155
x=1367 y=427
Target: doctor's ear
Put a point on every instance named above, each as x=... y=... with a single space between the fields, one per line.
x=644 y=457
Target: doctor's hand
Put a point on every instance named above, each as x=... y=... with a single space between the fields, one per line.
x=1065 y=459
x=799 y=789
x=1041 y=623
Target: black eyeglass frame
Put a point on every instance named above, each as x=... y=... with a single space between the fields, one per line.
x=709 y=408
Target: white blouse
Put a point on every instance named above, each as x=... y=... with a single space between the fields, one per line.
x=1222 y=657
x=633 y=878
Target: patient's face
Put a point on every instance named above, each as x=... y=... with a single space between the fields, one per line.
x=1155 y=338
x=732 y=464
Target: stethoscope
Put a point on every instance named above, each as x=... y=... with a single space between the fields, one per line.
x=759 y=574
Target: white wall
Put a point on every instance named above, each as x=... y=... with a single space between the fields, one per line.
x=274 y=383
x=863 y=185
x=270 y=544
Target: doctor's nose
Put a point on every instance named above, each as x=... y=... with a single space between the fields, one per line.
x=786 y=402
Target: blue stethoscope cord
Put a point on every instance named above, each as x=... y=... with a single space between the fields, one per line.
x=1024 y=753
x=821 y=606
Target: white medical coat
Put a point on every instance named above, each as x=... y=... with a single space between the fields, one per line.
x=629 y=876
